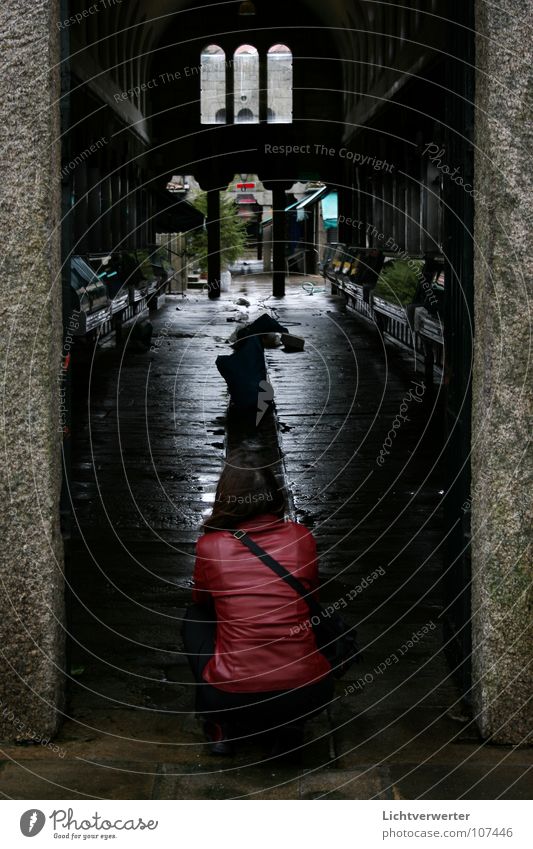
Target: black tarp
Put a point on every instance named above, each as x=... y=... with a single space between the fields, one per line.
x=174 y=214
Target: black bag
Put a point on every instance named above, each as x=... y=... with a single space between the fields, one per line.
x=334 y=638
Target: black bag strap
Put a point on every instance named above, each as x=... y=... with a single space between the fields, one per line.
x=280 y=570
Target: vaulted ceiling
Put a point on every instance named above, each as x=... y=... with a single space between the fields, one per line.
x=351 y=57
x=364 y=30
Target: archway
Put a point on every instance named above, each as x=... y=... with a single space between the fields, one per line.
x=107 y=160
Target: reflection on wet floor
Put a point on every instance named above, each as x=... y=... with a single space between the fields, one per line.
x=148 y=448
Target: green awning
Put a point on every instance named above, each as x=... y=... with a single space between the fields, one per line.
x=330 y=210
x=303 y=202
x=312 y=198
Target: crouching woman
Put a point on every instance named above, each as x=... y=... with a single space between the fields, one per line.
x=247 y=635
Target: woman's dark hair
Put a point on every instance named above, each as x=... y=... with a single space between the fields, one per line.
x=244 y=490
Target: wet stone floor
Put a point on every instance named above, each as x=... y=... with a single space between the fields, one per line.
x=148 y=445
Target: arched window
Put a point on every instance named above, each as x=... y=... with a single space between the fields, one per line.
x=246 y=103
x=213 y=85
x=245 y=116
x=279 y=70
x=246 y=85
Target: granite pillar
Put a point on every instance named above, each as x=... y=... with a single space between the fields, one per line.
x=502 y=474
x=31 y=556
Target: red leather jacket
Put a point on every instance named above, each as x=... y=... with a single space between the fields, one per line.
x=259 y=646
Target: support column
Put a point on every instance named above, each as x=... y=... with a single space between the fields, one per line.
x=131 y=195
x=346 y=232
x=502 y=596
x=279 y=202
x=31 y=551
x=106 y=202
x=116 y=207
x=81 y=209
x=310 y=241
x=95 y=209
x=124 y=206
x=213 y=243
x=260 y=235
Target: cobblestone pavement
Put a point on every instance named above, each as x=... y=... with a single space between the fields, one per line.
x=147 y=451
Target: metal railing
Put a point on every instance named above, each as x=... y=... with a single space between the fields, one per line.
x=425 y=340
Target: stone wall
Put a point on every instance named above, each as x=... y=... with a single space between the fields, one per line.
x=246 y=88
x=502 y=398
x=31 y=567
x=213 y=86
x=279 y=88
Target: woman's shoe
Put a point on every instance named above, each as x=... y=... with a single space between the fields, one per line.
x=219 y=744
